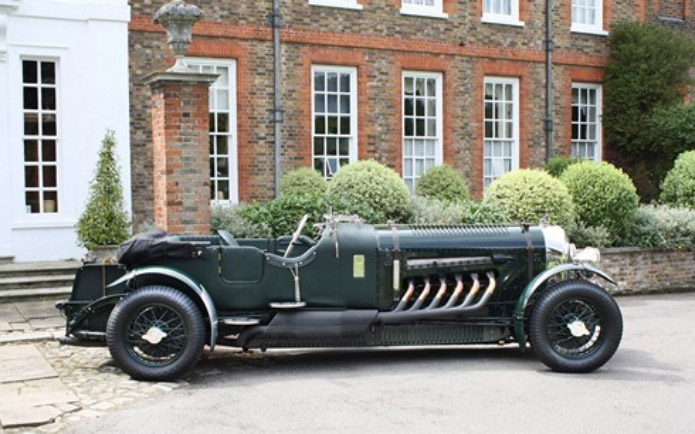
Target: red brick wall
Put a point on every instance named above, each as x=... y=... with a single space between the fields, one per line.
x=640 y=271
x=380 y=43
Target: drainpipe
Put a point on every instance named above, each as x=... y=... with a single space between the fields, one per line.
x=549 y=46
x=277 y=114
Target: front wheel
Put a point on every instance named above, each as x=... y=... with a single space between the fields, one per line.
x=575 y=326
x=155 y=333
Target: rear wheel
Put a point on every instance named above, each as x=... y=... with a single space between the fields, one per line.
x=156 y=333
x=575 y=326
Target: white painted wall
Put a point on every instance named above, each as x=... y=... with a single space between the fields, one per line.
x=89 y=40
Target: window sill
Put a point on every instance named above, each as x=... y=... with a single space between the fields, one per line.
x=425 y=14
x=43 y=224
x=588 y=30
x=336 y=4
x=487 y=19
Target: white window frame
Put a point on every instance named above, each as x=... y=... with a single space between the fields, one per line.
x=340 y=4
x=434 y=11
x=354 y=126
x=40 y=137
x=439 y=126
x=598 y=152
x=594 y=29
x=504 y=19
x=232 y=137
x=515 y=120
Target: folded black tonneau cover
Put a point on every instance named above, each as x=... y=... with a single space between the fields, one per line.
x=154 y=244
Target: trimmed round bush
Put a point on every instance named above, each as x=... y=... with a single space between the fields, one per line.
x=442 y=183
x=373 y=185
x=603 y=195
x=304 y=180
x=528 y=195
x=678 y=187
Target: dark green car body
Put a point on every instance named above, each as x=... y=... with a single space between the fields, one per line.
x=356 y=285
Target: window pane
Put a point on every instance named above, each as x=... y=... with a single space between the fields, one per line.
x=345 y=125
x=223 y=190
x=223 y=167
x=31 y=176
x=332 y=124
x=318 y=146
x=319 y=103
x=320 y=124
x=345 y=83
x=49 y=176
x=31 y=150
x=31 y=98
x=332 y=82
x=48 y=150
x=48 y=123
x=222 y=145
x=319 y=81
x=32 y=202
x=48 y=98
x=331 y=146
x=222 y=122
x=332 y=103
x=31 y=124
x=30 y=74
x=48 y=73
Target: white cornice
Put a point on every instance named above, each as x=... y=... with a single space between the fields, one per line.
x=8 y=5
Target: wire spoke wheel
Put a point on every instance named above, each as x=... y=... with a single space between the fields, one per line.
x=156 y=333
x=575 y=326
x=163 y=322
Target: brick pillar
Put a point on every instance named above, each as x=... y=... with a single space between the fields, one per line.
x=180 y=151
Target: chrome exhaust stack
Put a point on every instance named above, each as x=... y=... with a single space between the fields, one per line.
x=440 y=294
x=398 y=315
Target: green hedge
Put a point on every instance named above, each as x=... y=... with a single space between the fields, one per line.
x=603 y=195
x=302 y=181
x=678 y=187
x=528 y=195
x=443 y=183
x=373 y=185
x=557 y=165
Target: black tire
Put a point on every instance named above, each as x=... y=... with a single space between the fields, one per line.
x=575 y=326
x=156 y=308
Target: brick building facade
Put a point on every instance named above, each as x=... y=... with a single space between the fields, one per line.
x=411 y=83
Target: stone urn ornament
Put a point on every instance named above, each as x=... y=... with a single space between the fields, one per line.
x=178 y=19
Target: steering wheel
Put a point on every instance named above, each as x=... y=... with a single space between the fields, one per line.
x=227 y=238
x=296 y=234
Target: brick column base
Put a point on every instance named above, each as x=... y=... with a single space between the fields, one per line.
x=180 y=150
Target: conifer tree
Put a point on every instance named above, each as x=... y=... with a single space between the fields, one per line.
x=104 y=221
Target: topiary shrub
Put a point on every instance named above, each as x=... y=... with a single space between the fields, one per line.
x=374 y=185
x=304 y=180
x=528 y=195
x=105 y=220
x=603 y=195
x=678 y=187
x=557 y=165
x=443 y=183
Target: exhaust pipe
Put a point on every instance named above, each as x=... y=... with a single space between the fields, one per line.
x=406 y=297
x=440 y=294
x=423 y=295
x=399 y=316
x=457 y=292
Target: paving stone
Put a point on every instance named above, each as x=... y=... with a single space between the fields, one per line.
x=23 y=362
x=37 y=309
x=20 y=326
x=45 y=323
x=27 y=337
x=5 y=326
x=9 y=313
x=35 y=393
x=27 y=416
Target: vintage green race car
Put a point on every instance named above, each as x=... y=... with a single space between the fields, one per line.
x=356 y=285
